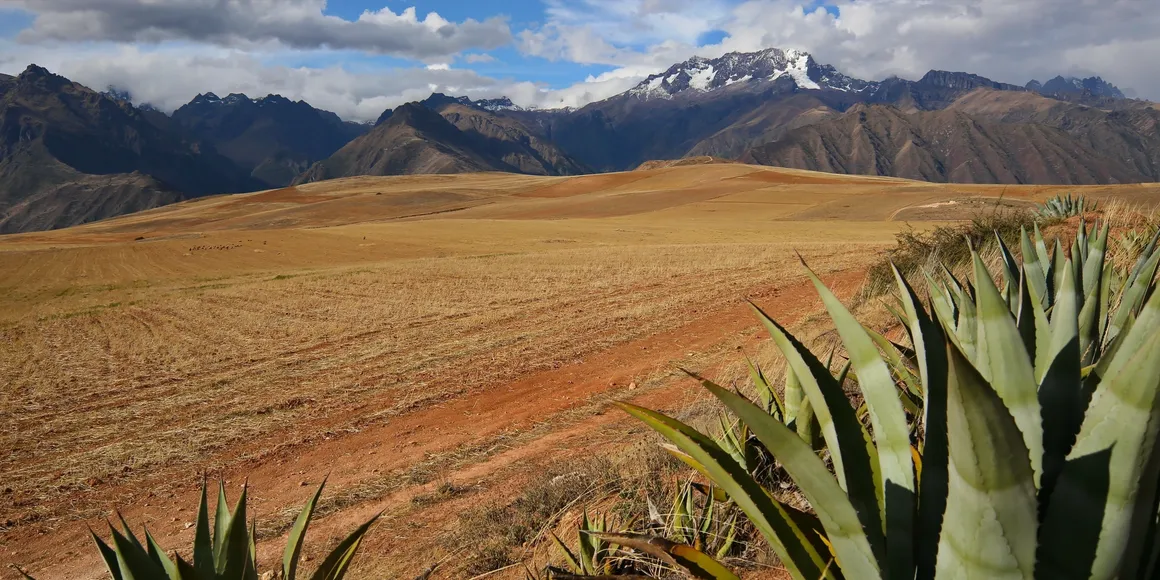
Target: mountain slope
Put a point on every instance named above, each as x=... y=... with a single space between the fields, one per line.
x=414 y=139
x=943 y=146
x=69 y=155
x=445 y=134
x=1129 y=134
x=505 y=137
x=724 y=106
x=273 y=138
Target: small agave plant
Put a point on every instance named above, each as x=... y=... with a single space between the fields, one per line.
x=1027 y=450
x=1060 y=207
x=690 y=531
x=224 y=552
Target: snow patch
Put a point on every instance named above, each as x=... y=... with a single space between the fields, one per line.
x=798 y=69
x=653 y=88
x=743 y=79
x=702 y=79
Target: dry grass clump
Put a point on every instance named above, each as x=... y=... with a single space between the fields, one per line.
x=492 y=536
x=918 y=251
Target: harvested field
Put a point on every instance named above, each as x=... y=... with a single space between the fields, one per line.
x=397 y=333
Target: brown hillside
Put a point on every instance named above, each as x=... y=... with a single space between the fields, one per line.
x=414 y=140
x=509 y=140
x=946 y=146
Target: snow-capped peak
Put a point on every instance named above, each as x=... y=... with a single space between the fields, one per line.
x=698 y=75
x=500 y=104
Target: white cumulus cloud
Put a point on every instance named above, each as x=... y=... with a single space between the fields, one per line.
x=239 y=23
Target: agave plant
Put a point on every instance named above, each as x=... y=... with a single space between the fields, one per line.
x=1135 y=242
x=594 y=555
x=1035 y=454
x=1060 y=207
x=225 y=552
x=678 y=539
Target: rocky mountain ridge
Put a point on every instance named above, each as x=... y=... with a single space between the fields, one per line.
x=69 y=154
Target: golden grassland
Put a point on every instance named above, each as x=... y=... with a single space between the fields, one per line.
x=256 y=332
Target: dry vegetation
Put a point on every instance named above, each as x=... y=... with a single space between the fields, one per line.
x=426 y=340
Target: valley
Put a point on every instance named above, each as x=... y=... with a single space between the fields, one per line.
x=404 y=335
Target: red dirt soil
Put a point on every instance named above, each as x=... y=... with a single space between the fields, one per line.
x=283 y=479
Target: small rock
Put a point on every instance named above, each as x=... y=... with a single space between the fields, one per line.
x=188 y=525
x=303 y=483
x=632 y=386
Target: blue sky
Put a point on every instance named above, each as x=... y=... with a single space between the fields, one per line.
x=357 y=57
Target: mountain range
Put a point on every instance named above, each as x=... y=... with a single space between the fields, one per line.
x=69 y=154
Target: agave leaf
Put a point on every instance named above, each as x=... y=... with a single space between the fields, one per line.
x=696 y=563
x=942 y=306
x=128 y=533
x=851 y=449
x=234 y=555
x=706 y=523
x=186 y=571
x=1077 y=263
x=157 y=554
x=845 y=526
x=1124 y=416
x=297 y=536
x=1059 y=264
x=1041 y=250
x=1003 y=363
x=793 y=395
x=1093 y=264
x=894 y=361
x=896 y=312
x=336 y=564
x=108 y=555
x=1133 y=296
x=1109 y=287
x=203 y=547
x=134 y=560
x=251 y=571
x=967 y=328
x=1145 y=256
x=991 y=515
x=573 y=562
x=221 y=524
x=680 y=525
x=765 y=392
x=730 y=537
x=792 y=547
x=1025 y=318
x=807 y=428
x=1011 y=275
x=1060 y=389
x=1033 y=263
x=928 y=339
x=730 y=443
x=587 y=550
x=889 y=422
